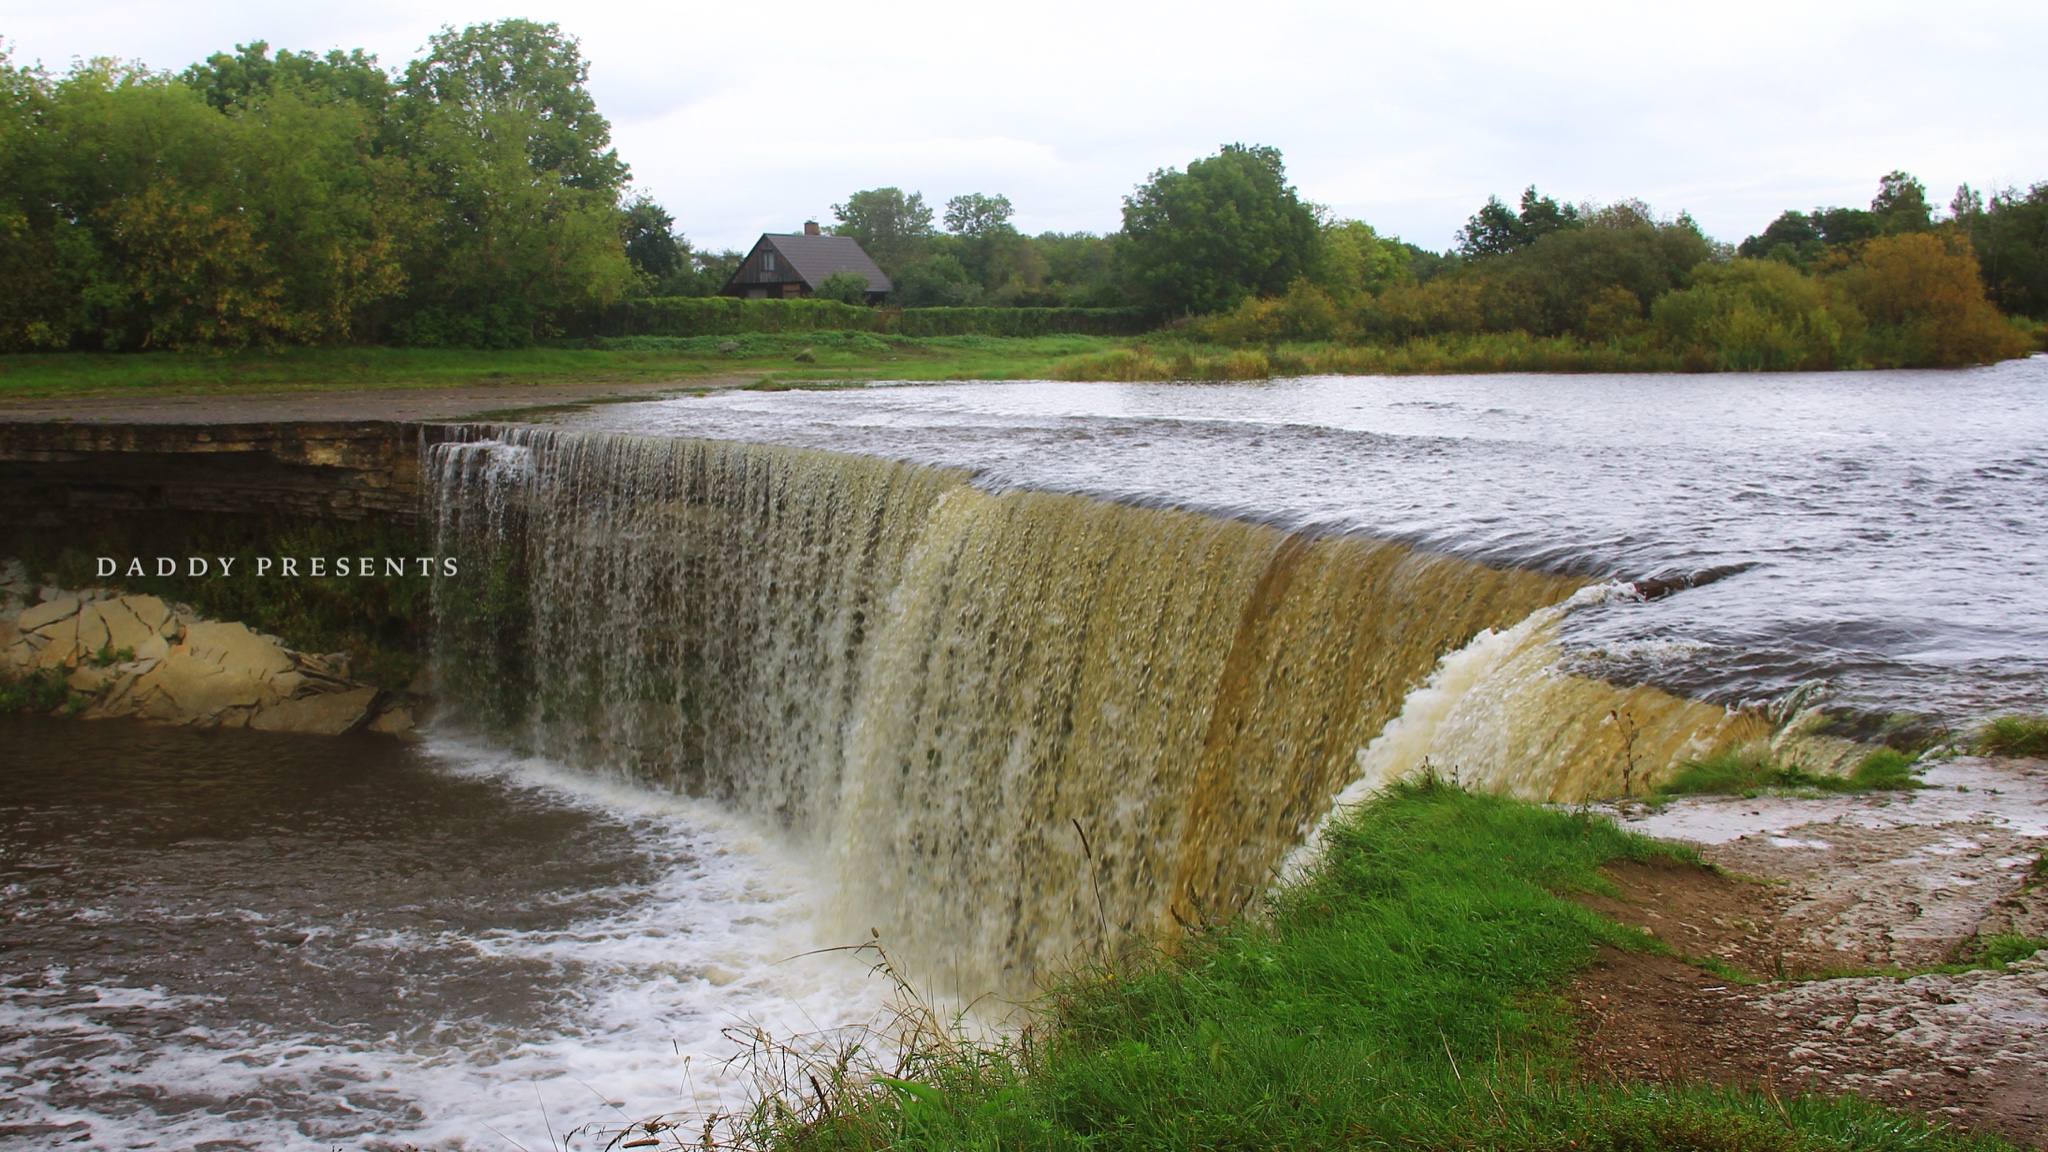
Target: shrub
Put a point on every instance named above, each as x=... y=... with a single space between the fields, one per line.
x=1925 y=303
x=1753 y=316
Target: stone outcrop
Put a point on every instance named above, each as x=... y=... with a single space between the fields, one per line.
x=135 y=656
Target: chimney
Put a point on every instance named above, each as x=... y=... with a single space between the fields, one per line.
x=810 y=227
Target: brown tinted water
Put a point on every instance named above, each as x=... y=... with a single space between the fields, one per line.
x=241 y=940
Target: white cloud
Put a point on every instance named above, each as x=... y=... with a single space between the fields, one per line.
x=741 y=117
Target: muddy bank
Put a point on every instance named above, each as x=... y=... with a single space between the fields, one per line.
x=1884 y=885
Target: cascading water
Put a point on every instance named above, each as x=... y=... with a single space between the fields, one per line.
x=1012 y=723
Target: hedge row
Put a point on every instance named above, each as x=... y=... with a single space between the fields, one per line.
x=726 y=316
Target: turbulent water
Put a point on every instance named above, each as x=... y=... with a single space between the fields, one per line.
x=245 y=941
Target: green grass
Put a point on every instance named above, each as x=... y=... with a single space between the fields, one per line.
x=1750 y=773
x=625 y=360
x=1404 y=996
x=2014 y=736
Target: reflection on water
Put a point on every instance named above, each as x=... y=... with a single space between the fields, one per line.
x=283 y=942
x=1888 y=524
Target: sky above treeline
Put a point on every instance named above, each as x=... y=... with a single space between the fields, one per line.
x=743 y=117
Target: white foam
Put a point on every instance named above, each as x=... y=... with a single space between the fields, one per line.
x=721 y=938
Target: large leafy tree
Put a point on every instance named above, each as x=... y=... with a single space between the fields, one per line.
x=1228 y=228
x=505 y=137
x=894 y=228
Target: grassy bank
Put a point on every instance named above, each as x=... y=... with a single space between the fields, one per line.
x=1405 y=996
x=636 y=360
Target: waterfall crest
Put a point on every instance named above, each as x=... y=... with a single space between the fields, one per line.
x=1011 y=724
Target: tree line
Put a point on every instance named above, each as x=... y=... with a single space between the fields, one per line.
x=473 y=198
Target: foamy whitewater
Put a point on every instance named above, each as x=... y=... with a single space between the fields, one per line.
x=611 y=1005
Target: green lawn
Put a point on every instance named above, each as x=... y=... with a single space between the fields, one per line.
x=1407 y=996
x=637 y=360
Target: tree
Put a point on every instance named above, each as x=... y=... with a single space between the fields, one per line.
x=976 y=215
x=1924 y=298
x=515 y=81
x=246 y=77
x=2010 y=235
x=1228 y=228
x=1901 y=204
x=508 y=143
x=1353 y=258
x=1496 y=231
x=895 y=229
x=652 y=246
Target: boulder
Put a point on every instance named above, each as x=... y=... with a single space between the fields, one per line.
x=124 y=628
x=153 y=614
x=47 y=613
x=92 y=630
x=187 y=689
x=90 y=679
x=327 y=714
x=235 y=648
x=155 y=647
x=396 y=721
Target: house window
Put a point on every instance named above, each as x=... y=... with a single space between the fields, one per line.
x=767 y=261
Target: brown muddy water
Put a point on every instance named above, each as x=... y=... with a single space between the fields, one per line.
x=241 y=940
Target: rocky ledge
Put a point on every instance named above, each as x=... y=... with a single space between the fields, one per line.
x=136 y=656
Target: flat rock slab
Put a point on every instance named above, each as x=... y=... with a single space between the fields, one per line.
x=328 y=714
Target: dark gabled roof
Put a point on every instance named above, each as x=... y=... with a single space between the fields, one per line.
x=816 y=257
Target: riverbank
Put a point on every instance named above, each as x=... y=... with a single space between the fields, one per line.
x=615 y=366
x=1416 y=991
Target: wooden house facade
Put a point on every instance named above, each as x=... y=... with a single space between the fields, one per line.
x=791 y=265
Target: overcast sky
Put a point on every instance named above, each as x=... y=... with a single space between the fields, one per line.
x=749 y=116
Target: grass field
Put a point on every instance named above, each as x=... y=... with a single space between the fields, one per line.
x=1406 y=996
x=852 y=355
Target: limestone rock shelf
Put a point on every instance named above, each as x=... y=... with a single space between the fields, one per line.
x=136 y=656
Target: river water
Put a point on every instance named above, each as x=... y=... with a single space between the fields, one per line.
x=1885 y=529
x=247 y=941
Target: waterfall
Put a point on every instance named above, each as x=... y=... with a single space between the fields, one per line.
x=1012 y=726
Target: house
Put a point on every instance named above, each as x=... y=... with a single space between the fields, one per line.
x=787 y=265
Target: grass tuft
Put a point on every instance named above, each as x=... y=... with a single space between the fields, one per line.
x=1734 y=773
x=2014 y=736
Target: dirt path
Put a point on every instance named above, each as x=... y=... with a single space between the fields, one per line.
x=392 y=403
x=1879 y=881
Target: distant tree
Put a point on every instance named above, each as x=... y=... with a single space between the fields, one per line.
x=1901 y=204
x=509 y=143
x=2010 y=235
x=514 y=81
x=845 y=287
x=1924 y=299
x=1228 y=228
x=1495 y=230
x=652 y=246
x=1354 y=258
x=895 y=229
x=977 y=215
x=1792 y=238
x=249 y=75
